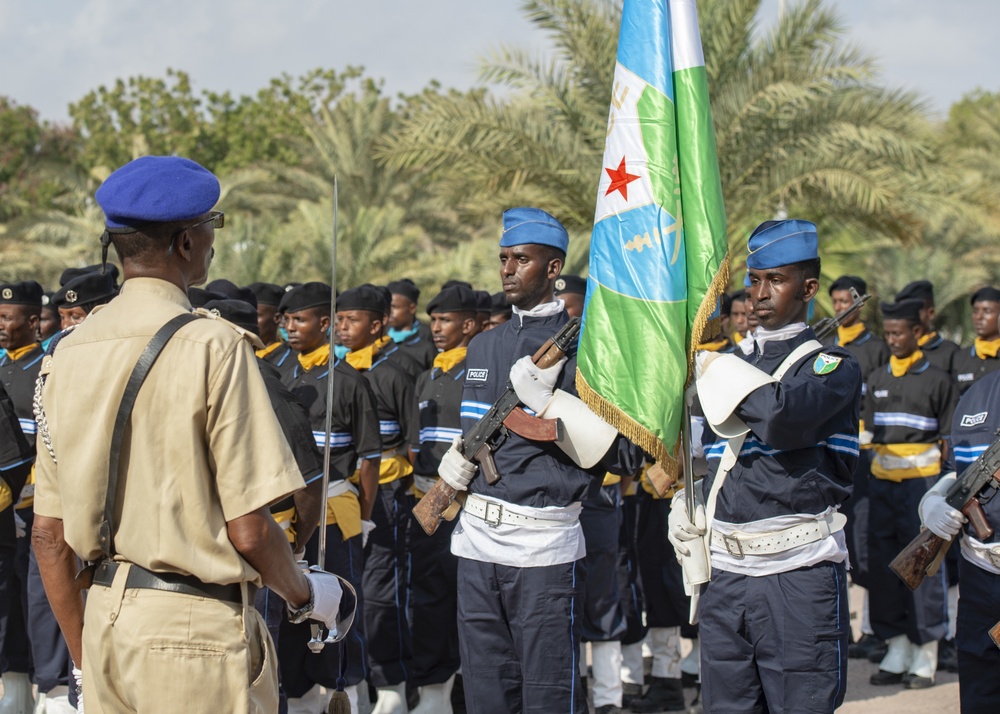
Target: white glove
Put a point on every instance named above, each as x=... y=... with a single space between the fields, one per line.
x=366 y=528
x=534 y=385
x=681 y=529
x=941 y=519
x=326 y=594
x=455 y=469
x=702 y=359
x=20 y=527
x=78 y=678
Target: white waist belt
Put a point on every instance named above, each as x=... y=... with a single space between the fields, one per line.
x=740 y=545
x=339 y=488
x=495 y=514
x=985 y=555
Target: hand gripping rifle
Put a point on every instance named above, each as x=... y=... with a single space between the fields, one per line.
x=828 y=325
x=491 y=431
x=924 y=554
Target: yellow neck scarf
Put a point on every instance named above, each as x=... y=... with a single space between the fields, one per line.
x=446 y=360
x=927 y=338
x=363 y=358
x=319 y=356
x=736 y=337
x=847 y=335
x=271 y=348
x=987 y=348
x=20 y=352
x=713 y=346
x=901 y=365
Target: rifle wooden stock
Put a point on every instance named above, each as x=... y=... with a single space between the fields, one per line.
x=438 y=502
x=922 y=557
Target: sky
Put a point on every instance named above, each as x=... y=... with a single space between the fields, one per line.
x=53 y=52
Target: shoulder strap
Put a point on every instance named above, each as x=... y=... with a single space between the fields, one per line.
x=806 y=348
x=135 y=380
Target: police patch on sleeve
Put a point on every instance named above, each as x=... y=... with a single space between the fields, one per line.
x=825 y=363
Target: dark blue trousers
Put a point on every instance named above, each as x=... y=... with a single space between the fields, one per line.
x=603 y=614
x=978 y=656
x=629 y=582
x=49 y=651
x=385 y=584
x=662 y=579
x=921 y=614
x=519 y=633
x=775 y=644
x=301 y=668
x=434 y=603
x=16 y=647
x=855 y=509
x=8 y=552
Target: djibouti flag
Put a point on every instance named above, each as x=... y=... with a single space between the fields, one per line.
x=658 y=255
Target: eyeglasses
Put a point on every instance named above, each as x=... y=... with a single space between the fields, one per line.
x=216 y=219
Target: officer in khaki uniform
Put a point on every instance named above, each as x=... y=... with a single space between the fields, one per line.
x=170 y=624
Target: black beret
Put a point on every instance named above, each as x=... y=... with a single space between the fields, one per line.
x=918 y=289
x=405 y=287
x=454 y=299
x=267 y=293
x=199 y=296
x=373 y=298
x=903 y=310
x=239 y=312
x=987 y=294
x=725 y=305
x=157 y=189
x=28 y=292
x=499 y=304
x=484 y=303
x=71 y=273
x=47 y=301
x=738 y=295
x=846 y=282
x=86 y=289
x=232 y=291
x=306 y=296
x=572 y=284
x=453 y=283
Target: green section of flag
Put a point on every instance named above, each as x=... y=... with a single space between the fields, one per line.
x=659 y=137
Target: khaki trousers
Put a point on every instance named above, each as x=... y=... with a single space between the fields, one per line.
x=150 y=651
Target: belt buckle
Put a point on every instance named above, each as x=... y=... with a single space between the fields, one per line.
x=993 y=554
x=729 y=541
x=493 y=514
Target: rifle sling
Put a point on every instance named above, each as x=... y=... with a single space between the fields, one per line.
x=139 y=373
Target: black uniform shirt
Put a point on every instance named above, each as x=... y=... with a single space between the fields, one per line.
x=403 y=359
x=438 y=405
x=941 y=353
x=18 y=378
x=282 y=358
x=970 y=367
x=354 y=428
x=871 y=352
x=16 y=454
x=393 y=389
x=420 y=346
x=913 y=409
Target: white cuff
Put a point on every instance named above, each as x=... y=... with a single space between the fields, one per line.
x=586 y=437
x=726 y=382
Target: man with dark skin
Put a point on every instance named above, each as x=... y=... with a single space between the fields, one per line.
x=783 y=414
x=157 y=212
x=738 y=316
x=269 y=318
x=908 y=408
x=405 y=329
x=975 y=362
x=519 y=542
x=938 y=351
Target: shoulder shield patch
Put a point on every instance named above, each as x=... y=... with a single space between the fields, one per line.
x=825 y=363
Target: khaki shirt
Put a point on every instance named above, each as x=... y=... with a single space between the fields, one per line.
x=203 y=446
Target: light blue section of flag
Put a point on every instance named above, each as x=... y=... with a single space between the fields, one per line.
x=625 y=255
x=644 y=44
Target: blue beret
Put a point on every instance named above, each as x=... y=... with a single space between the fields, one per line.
x=532 y=225
x=157 y=189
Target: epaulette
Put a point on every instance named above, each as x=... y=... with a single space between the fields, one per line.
x=250 y=337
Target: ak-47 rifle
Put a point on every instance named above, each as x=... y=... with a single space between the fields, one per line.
x=828 y=325
x=491 y=431
x=924 y=554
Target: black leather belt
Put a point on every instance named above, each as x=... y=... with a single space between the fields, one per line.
x=167 y=582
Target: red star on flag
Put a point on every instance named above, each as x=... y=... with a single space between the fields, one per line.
x=620 y=179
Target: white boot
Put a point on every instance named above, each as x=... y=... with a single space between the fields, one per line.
x=632 y=672
x=666 y=645
x=924 y=660
x=897 y=659
x=17 y=697
x=952 y=612
x=606 y=663
x=391 y=700
x=364 y=702
x=309 y=703
x=54 y=702
x=435 y=698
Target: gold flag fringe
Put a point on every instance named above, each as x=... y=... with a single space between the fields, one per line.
x=702 y=319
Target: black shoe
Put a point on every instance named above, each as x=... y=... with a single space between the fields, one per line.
x=458 y=696
x=863 y=648
x=689 y=680
x=947 y=656
x=607 y=709
x=663 y=695
x=631 y=693
x=915 y=682
x=882 y=677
